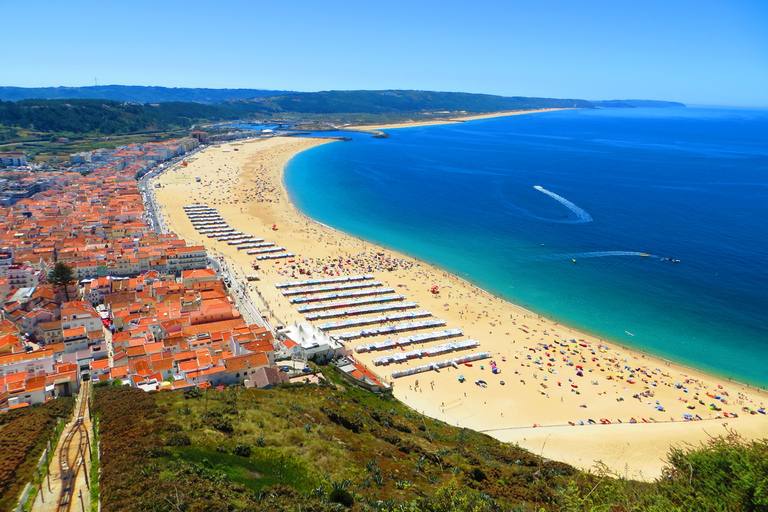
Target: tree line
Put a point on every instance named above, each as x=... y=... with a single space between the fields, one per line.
x=111 y=117
x=105 y=116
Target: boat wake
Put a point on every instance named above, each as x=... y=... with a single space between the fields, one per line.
x=581 y=214
x=600 y=254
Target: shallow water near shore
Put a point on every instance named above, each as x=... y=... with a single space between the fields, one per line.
x=555 y=212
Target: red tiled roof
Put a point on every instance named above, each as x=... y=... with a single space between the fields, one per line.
x=247 y=361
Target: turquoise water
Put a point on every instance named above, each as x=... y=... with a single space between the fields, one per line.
x=688 y=184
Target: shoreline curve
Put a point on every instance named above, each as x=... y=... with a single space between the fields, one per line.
x=266 y=202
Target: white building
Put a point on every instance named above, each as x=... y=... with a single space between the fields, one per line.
x=21 y=275
x=14 y=158
x=312 y=343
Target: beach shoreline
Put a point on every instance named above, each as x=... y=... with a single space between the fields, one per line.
x=449 y=120
x=247 y=187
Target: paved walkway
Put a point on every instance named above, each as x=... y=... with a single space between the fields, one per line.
x=52 y=486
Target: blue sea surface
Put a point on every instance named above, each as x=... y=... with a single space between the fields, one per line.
x=509 y=203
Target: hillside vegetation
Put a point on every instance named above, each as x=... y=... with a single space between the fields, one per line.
x=332 y=446
x=380 y=102
x=24 y=434
x=105 y=117
x=134 y=93
x=109 y=117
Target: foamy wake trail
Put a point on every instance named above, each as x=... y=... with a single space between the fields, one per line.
x=600 y=254
x=582 y=215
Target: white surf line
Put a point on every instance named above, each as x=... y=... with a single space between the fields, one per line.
x=580 y=212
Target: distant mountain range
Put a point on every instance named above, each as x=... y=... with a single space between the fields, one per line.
x=355 y=101
x=300 y=102
x=120 y=109
x=108 y=116
x=133 y=93
x=398 y=101
x=636 y=104
x=318 y=100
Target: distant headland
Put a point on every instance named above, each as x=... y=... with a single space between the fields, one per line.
x=636 y=104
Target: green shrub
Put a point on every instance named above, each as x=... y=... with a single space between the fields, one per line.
x=178 y=439
x=193 y=393
x=402 y=428
x=346 y=421
x=242 y=450
x=726 y=473
x=222 y=425
x=342 y=496
x=478 y=475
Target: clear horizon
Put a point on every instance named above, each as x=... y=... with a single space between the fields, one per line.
x=693 y=52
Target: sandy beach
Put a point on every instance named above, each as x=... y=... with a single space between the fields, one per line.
x=450 y=120
x=554 y=378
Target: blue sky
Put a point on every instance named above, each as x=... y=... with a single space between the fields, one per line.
x=697 y=52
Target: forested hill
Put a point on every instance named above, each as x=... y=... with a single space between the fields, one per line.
x=134 y=93
x=288 y=101
x=105 y=116
x=108 y=117
x=379 y=102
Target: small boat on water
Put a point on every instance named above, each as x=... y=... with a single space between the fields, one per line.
x=629 y=333
x=645 y=255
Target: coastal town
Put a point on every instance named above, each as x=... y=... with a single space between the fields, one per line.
x=143 y=308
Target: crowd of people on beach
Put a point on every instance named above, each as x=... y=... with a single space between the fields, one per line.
x=567 y=366
x=229 y=186
x=345 y=265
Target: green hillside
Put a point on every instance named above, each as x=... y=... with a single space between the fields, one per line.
x=108 y=117
x=24 y=434
x=135 y=93
x=395 y=101
x=330 y=447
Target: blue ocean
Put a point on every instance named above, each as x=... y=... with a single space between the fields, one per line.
x=557 y=211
